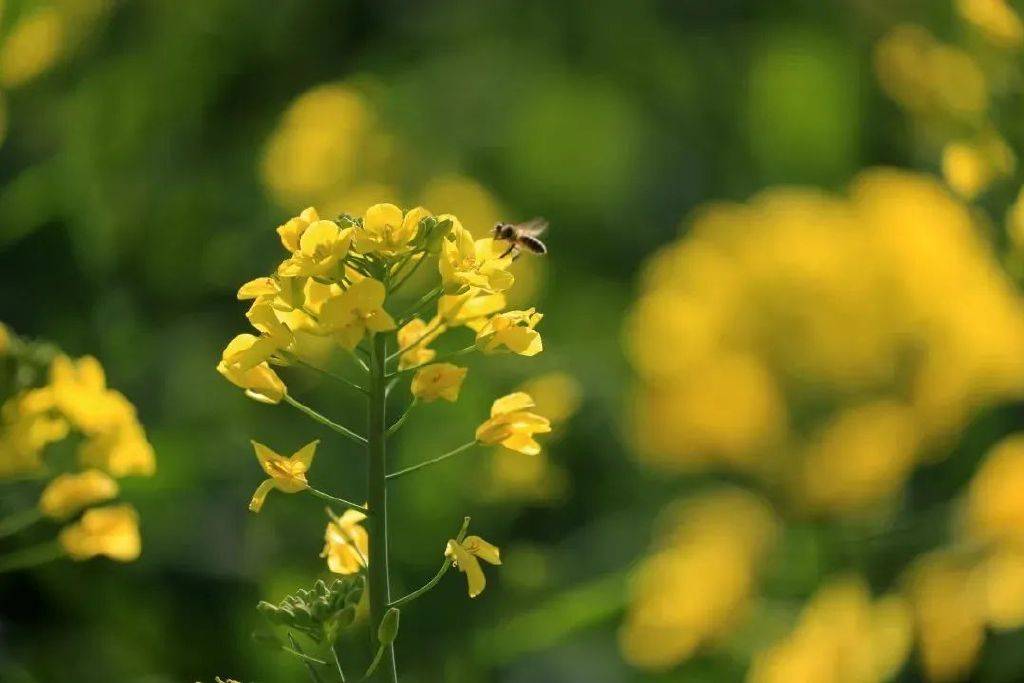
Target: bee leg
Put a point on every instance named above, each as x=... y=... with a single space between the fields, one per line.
x=511 y=248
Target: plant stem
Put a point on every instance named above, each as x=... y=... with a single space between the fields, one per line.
x=295 y=649
x=31 y=557
x=432 y=461
x=424 y=301
x=336 y=499
x=440 y=359
x=445 y=566
x=337 y=663
x=19 y=521
x=377 y=501
x=401 y=420
x=323 y=420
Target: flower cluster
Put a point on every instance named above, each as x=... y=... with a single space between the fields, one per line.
x=111 y=444
x=338 y=298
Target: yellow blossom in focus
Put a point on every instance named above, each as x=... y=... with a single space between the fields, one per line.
x=695 y=585
x=387 y=231
x=356 y=311
x=996 y=19
x=287 y=475
x=291 y=232
x=259 y=381
x=513 y=331
x=33 y=45
x=948 y=615
x=112 y=531
x=346 y=543
x=416 y=336
x=971 y=166
x=466 y=262
x=842 y=636
x=322 y=247
x=995 y=504
x=440 y=380
x=70 y=492
x=512 y=424
x=465 y=556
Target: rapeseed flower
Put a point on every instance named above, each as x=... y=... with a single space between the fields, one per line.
x=513 y=425
x=466 y=556
x=287 y=475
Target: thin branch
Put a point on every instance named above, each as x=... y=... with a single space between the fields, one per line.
x=337 y=663
x=433 y=461
x=401 y=420
x=345 y=431
x=306 y=659
x=31 y=557
x=336 y=499
x=19 y=521
x=445 y=566
x=409 y=347
x=405 y=278
x=424 y=301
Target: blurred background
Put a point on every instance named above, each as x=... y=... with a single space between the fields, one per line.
x=784 y=327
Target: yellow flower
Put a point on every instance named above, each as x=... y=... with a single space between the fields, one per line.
x=346 y=544
x=356 y=311
x=512 y=425
x=122 y=452
x=464 y=556
x=322 y=246
x=112 y=531
x=513 y=331
x=970 y=166
x=70 y=492
x=386 y=231
x=466 y=262
x=416 y=335
x=696 y=585
x=32 y=46
x=470 y=308
x=25 y=431
x=259 y=381
x=78 y=389
x=995 y=19
x=287 y=475
x=995 y=506
x=440 y=380
x=291 y=231
x=557 y=394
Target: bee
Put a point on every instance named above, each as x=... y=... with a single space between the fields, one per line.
x=522 y=237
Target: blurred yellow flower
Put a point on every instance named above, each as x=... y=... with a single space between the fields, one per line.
x=464 y=556
x=513 y=331
x=696 y=584
x=948 y=615
x=287 y=475
x=32 y=46
x=5 y=336
x=123 y=451
x=512 y=424
x=970 y=166
x=995 y=497
x=556 y=394
x=464 y=197
x=346 y=543
x=416 y=336
x=24 y=432
x=387 y=231
x=1001 y=575
x=928 y=78
x=70 y=492
x=356 y=311
x=322 y=247
x=440 y=380
x=466 y=262
x=259 y=381
x=842 y=636
x=996 y=19
x=112 y=531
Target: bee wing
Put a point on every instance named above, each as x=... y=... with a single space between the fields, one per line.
x=533 y=227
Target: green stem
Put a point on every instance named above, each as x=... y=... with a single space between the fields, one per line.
x=31 y=557
x=424 y=301
x=337 y=663
x=433 y=461
x=336 y=499
x=445 y=566
x=306 y=659
x=405 y=278
x=380 y=593
x=345 y=431
x=19 y=521
x=409 y=347
x=401 y=421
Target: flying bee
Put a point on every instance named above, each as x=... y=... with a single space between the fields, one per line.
x=522 y=237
